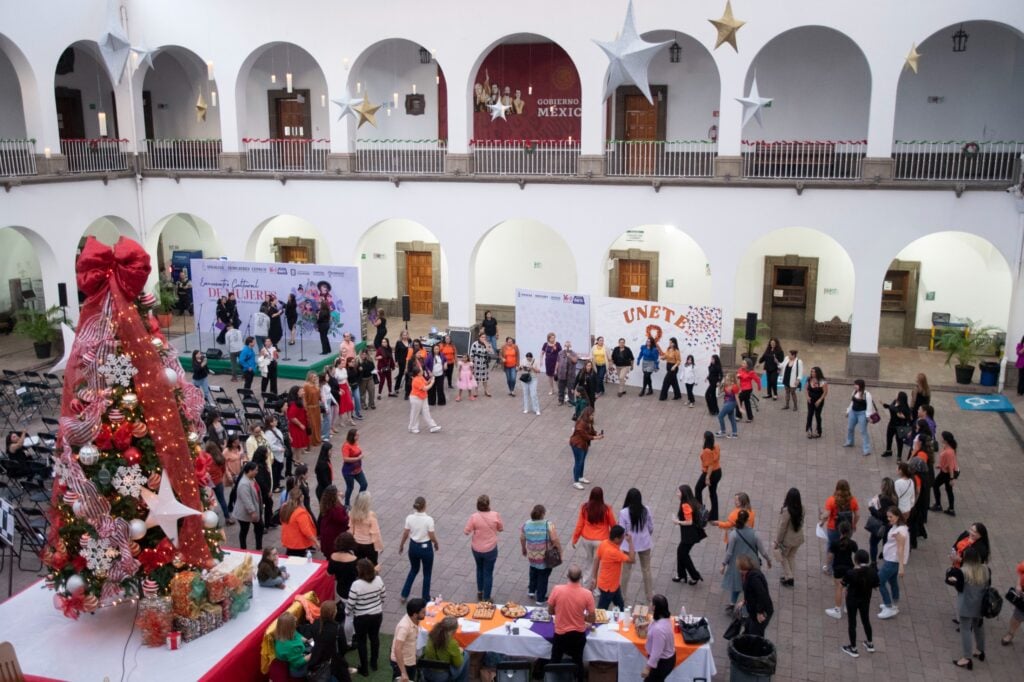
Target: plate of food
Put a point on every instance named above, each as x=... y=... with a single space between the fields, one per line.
x=457 y=610
x=540 y=616
x=484 y=611
x=513 y=610
x=601 y=616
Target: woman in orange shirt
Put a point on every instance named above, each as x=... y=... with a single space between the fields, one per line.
x=298 y=532
x=1018 y=613
x=742 y=502
x=710 y=473
x=448 y=350
x=949 y=470
x=510 y=361
x=593 y=523
x=311 y=399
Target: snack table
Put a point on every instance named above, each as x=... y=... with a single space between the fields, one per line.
x=606 y=642
x=52 y=647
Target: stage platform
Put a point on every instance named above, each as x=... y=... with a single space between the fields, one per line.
x=295 y=362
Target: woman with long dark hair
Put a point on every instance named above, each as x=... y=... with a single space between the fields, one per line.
x=323 y=325
x=817 y=392
x=385 y=358
x=672 y=363
x=648 y=361
x=352 y=465
x=714 y=377
x=660 y=646
x=583 y=434
x=333 y=521
x=323 y=469
x=922 y=465
x=877 y=525
x=710 y=473
x=949 y=470
x=772 y=359
x=401 y=357
x=265 y=480
x=690 y=533
x=638 y=521
x=789 y=535
x=291 y=316
x=900 y=420
x=593 y=523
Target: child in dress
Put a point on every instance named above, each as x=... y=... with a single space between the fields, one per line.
x=466 y=380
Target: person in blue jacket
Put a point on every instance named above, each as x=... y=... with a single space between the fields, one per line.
x=247 y=359
x=647 y=360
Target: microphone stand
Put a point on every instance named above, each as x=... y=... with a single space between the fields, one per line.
x=184 y=328
x=199 y=330
x=302 y=350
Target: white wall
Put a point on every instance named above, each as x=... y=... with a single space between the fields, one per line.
x=693 y=87
x=12 y=118
x=522 y=254
x=983 y=88
x=306 y=75
x=966 y=273
x=376 y=254
x=186 y=232
x=174 y=83
x=288 y=226
x=680 y=259
x=17 y=260
x=93 y=81
x=820 y=83
x=104 y=230
x=390 y=67
x=835 y=271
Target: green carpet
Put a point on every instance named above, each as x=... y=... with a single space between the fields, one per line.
x=383 y=674
x=284 y=370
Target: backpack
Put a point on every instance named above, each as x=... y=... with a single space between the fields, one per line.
x=702 y=517
x=918 y=466
x=991 y=603
x=846 y=516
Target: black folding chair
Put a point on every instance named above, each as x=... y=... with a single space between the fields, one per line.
x=423 y=665
x=245 y=393
x=560 y=672
x=514 y=670
x=32 y=537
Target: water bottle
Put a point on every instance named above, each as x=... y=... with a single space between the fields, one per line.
x=309 y=556
x=682 y=614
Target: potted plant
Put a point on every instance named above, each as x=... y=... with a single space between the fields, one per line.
x=752 y=345
x=166 y=299
x=967 y=345
x=41 y=327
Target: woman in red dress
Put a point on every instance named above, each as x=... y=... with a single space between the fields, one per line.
x=346 y=406
x=297 y=421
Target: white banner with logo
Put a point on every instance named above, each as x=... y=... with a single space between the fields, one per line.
x=697 y=330
x=251 y=282
x=539 y=313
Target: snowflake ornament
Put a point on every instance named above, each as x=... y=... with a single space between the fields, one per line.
x=117 y=369
x=128 y=480
x=98 y=553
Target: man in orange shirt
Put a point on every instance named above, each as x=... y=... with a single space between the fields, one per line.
x=418 y=401
x=608 y=567
x=572 y=607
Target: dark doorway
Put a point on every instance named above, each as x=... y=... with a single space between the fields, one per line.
x=70 y=121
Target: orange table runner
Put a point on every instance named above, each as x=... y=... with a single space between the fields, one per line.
x=683 y=650
x=466 y=638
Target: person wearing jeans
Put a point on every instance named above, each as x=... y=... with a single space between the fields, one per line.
x=583 y=433
x=419 y=532
x=730 y=392
x=509 y=362
x=636 y=518
x=858 y=412
x=895 y=553
x=483 y=528
x=536 y=537
x=529 y=367
x=608 y=562
x=352 y=465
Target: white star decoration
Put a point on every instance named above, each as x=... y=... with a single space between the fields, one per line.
x=498 y=110
x=629 y=56
x=347 y=103
x=117 y=369
x=165 y=510
x=143 y=55
x=753 y=103
x=114 y=45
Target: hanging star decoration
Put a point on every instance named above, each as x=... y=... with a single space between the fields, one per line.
x=498 y=110
x=165 y=510
x=727 y=27
x=912 y=57
x=200 y=108
x=347 y=103
x=113 y=44
x=629 y=58
x=143 y=55
x=367 y=111
x=753 y=103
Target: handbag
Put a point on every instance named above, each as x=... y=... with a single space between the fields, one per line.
x=526 y=377
x=695 y=633
x=1015 y=598
x=874 y=526
x=552 y=555
x=734 y=629
x=874 y=417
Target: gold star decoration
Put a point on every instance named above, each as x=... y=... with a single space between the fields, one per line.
x=367 y=111
x=200 y=108
x=727 y=27
x=912 y=57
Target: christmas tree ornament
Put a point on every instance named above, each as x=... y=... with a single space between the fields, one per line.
x=157 y=343
x=129 y=480
x=115 y=416
x=129 y=401
x=912 y=58
x=178 y=561
x=133 y=455
x=193 y=437
x=74 y=584
x=629 y=58
x=88 y=454
x=137 y=529
x=727 y=27
x=210 y=519
x=367 y=111
x=170 y=376
x=165 y=510
x=148 y=300
x=117 y=370
x=139 y=429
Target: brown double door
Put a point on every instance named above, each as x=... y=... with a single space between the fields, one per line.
x=419 y=277
x=290 y=119
x=641 y=118
x=634 y=276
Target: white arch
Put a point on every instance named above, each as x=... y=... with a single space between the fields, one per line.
x=525 y=253
x=294 y=57
x=27 y=87
x=295 y=226
x=681 y=258
x=179 y=101
x=377 y=259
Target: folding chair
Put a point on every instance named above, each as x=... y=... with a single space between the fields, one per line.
x=560 y=672
x=514 y=670
x=11 y=375
x=251 y=404
x=440 y=669
x=52 y=426
x=32 y=537
x=54 y=381
x=245 y=393
x=253 y=418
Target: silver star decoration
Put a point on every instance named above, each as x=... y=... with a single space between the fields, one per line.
x=629 y=56
x=117 y=369
x=498 y=110
x=114 y=45
x=753 y=103
x=347 y=103
x=165 y=510
x=143 y=55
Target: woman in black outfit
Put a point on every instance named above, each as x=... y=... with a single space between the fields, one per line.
x=272 y=310
x=401 y=360
x=860 y=582
x=328 y=642
x=756 y=599
x=714 y=377
x=323 y=324
x=222 y=318
x=919 y=513
x=587 y=380
x=381 y=323
x=817 y=391
x=342 y=565
x=690 y=533
x=771 y=358
x=265 y=481
x=322 y=470
x=291 y=316
x=900 y=424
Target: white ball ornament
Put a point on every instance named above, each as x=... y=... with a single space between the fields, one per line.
x=171 y=376
x=77 y=507
x=210 y=519
x=88 y=454
x=129 y=401
x=74 y=584
x=137 y=529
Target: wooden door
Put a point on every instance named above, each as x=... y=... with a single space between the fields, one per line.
x=290 y=119
x=789 y=301
x=641 y=119
x=293 y=254
x=70 y=122
x=419 y=278
x=147 y=114
x=634 y=276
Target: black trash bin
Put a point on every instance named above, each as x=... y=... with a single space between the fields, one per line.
x=753 y=659
x=989 y=373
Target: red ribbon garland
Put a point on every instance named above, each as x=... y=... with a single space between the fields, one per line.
x=123 y=271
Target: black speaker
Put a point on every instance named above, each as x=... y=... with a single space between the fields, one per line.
x=405 y=309
x=62 y=294
x=751 y=327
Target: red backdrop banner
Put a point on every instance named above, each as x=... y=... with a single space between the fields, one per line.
x=551 y=112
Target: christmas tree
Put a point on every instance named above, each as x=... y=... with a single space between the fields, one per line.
x=129 y=438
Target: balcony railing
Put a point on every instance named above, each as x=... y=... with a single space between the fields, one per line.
x=804 y=160
x=95 y=155
x=964 y=160
x=293 y=155
x=525 y=157
x=661 y=158
x=182 y=155
x=421 y=157
x=17 y=157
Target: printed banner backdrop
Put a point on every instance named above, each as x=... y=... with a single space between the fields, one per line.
x=697 y=329
x=538 y=313
x=251 y=283
x=550 y=112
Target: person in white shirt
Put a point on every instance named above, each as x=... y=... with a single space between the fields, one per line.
x=267 y=362
x=235 y=341
x=419 y=532
x=260 y=327
x=792 y=373
x=275 y=441
x=859 y=411
x=529 y=367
